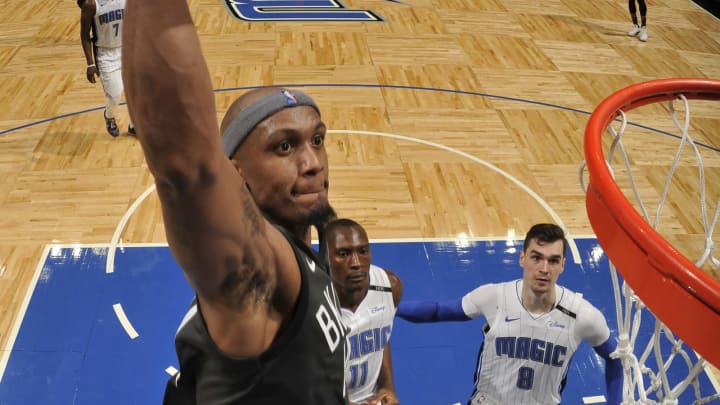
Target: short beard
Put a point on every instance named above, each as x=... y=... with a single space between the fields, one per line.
x=320 y=224
x=300 y=228
x=318 y=218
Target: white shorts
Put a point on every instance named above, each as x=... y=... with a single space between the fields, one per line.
x=109 y=64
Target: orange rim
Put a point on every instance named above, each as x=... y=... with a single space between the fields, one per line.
x=683 y=296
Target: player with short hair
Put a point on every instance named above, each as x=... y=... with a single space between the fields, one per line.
x=101 y=25
x=534 y=326
x=368 y=297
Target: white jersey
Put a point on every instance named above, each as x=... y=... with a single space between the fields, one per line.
x=108 y=23
x=370 y=328
x=524 y=358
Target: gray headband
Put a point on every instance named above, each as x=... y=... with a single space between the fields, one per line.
x=250 y=117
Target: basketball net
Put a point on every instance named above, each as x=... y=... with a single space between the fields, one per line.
x=646 y=361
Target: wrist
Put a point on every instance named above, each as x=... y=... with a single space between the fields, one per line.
x=91 y=65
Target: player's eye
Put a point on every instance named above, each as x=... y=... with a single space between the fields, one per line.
x=318 y=139
x=284 y=146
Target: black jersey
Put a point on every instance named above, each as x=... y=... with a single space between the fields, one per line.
x=304 y=365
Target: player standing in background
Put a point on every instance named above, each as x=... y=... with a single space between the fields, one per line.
x=101 y=23
x=642 y=28
x=534 y=327
x=368 y=297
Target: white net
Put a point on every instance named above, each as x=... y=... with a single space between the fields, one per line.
x=658 y=367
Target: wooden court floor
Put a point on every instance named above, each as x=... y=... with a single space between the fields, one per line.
x=473 y=112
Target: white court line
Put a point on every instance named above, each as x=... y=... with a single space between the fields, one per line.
x=598 y=399
x=106 y=245
x=124 y=321
x=492 y=238
x=5 y=355
x=528 y=190
x=110 y=259
x=110 y=262
x=115 y=241
x=501 y=238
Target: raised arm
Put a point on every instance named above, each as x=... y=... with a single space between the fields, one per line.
x=228 y=251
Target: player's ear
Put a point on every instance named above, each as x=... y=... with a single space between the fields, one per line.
x=236 y=163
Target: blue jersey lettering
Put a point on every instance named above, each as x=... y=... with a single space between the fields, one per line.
x=111 y=16
x=531 y=349
x=369 y=341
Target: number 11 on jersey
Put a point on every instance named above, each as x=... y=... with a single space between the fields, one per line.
x=358 y=374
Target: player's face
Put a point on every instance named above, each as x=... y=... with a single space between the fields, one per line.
x=285 y=165
x=349 y=258
x=542 y=263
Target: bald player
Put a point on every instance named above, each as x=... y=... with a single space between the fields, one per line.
x=368 y=296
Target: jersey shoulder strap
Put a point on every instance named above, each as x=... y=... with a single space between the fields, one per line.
x=297 y=244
